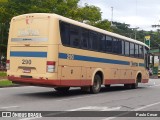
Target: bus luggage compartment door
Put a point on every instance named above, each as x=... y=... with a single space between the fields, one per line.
x=71 y=75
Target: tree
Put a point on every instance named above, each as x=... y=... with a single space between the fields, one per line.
x=67 y=8
x=122 y=29
x=3 y=30
x=104 y=24
x=88 y=14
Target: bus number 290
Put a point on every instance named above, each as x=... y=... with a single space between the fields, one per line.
x=70 y=56
x=25 y=61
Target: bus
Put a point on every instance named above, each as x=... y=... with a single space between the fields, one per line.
x=54 y=51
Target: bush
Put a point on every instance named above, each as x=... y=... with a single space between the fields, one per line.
x=3 y=74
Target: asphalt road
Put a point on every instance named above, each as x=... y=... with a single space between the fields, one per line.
x=116 y=98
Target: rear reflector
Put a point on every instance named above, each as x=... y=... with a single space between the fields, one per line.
x=8 y=64
x=51 y=66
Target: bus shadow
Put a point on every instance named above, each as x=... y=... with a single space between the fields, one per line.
x=118 y=88
x=74 y=92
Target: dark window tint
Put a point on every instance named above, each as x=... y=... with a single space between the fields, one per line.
x=64 y=30
x=93 y=41
x=141 y=51
x=108 y=44
x=75 y=36
x=119 y=46
x=122 y=48
x=132 y=49
x=136 y=50
x=127 y=48
x=85 y=38
x=102 y=44
x=115 y=46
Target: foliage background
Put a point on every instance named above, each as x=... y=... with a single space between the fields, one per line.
x=88 y=14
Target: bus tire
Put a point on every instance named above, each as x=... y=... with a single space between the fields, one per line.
x=135 y=85
x=62 y=89
x=95 y=88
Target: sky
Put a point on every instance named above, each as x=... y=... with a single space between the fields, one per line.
x=137 y=13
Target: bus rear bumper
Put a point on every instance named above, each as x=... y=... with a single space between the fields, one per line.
x=49 y=83
x=35 y=82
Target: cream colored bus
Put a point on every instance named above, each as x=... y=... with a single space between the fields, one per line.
x=54 y=51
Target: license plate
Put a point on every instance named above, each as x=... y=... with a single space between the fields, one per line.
x=26 y=71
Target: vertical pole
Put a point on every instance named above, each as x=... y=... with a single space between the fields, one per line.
x=135 y=34
x=112 y=16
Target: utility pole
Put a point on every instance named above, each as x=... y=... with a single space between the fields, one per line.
x=111 y=16
x=135 y=30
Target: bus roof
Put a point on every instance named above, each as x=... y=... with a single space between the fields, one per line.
x=84 y=26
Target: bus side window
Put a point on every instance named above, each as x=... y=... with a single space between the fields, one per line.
x=141 y=52
x=136 y=50
x=93 y=41
x=84 y=38
x=114 y=45
x=75 y=39
x=122 y=48
x=127 y=50
x=108 y=44
x=132 y=49
x=102 y=43
x=117 y=46
x=64 y=31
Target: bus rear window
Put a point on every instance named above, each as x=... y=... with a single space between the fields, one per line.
x=30 y=29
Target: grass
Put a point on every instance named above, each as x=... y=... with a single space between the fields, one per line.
x=3 y=74
x=5 y=83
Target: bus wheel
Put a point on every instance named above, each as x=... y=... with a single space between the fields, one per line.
x=135 y=85
x=95 y=88
x=62 y=89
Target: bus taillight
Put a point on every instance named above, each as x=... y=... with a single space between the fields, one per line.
x=8 y=64
x=51 y=66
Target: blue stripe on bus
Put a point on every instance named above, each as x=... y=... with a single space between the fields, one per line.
x=94 y=59
x=27 y=54
x=141 y=64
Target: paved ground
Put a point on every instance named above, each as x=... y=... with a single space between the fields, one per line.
x=145 y=98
